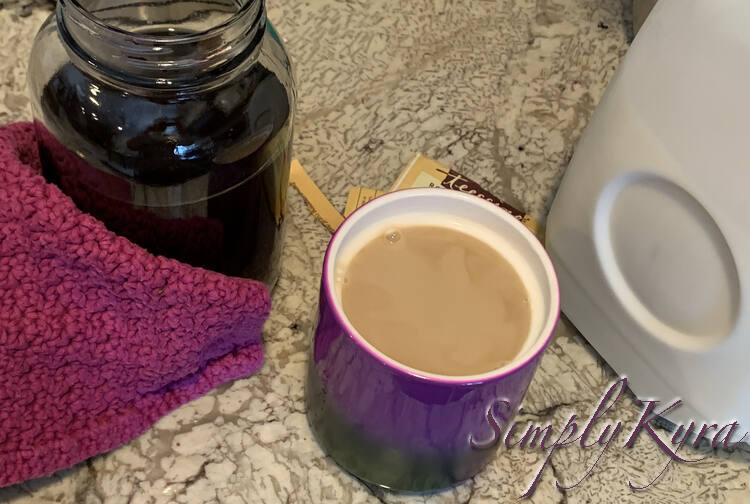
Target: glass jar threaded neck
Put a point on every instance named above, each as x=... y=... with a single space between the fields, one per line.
x=160 y=43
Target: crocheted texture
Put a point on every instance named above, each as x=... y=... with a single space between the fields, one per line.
x=99 y=338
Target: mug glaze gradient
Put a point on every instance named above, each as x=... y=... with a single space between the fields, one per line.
x=395 y=426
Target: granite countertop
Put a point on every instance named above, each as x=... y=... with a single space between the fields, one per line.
x=497 y=89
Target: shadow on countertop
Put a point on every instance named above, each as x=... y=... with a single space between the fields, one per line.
x=25 y=7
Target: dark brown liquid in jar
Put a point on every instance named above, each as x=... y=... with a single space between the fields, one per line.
x=201 y=178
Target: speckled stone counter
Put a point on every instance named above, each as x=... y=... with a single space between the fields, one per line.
x=497 y=89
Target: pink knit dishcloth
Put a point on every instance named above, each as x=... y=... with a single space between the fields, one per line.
x=99 y=338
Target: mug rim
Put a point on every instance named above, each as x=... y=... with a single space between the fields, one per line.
x=550 y=320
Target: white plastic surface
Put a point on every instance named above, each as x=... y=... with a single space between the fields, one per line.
x=650 y=229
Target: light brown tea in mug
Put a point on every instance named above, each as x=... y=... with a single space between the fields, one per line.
x=437 y=299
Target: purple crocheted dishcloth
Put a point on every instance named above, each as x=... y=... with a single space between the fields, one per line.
x=99 y=338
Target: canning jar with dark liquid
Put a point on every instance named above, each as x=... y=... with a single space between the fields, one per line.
x=171 y=122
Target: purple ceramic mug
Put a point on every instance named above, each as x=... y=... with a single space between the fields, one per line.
x=399 y=427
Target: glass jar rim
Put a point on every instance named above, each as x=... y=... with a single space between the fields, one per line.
x=164 y=39
x=161 y=60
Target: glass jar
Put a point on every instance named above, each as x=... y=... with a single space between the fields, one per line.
x=171 y=122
